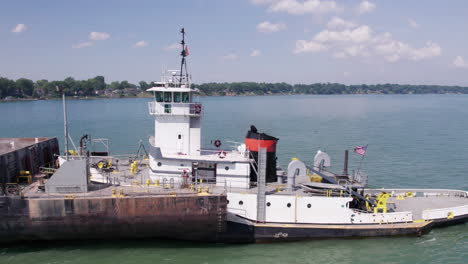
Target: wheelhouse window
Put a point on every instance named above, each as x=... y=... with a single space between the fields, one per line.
x=159 y=97
x=167 y=97
x=185 y=97
x=177 y=97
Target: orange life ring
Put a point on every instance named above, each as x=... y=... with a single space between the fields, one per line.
x=222 y=154
x=217 y=143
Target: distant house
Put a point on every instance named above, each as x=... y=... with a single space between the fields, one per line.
x=109 y=92
x=131 y=91
x=99 y=92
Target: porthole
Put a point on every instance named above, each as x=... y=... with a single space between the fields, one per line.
x=288 y=205
x=182 y=165
x=241 y=202
x=179 y=136
x=309 y=205
x=227 y=201
x=226 y=168
x=159 y=164
x=268 y=204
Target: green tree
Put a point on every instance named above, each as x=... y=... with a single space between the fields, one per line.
x=114 y=85
x=25 y=87
x=7 y=88
x=144 y=85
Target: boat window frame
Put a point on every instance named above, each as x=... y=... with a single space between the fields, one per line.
x=159 y=97
x=168 y=99
x=177 y=97
x=185 y=97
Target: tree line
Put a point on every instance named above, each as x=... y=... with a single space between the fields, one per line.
x=97 y=87
x=252 y=88
x=25 y=88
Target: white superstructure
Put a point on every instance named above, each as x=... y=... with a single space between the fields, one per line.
x=175 y=151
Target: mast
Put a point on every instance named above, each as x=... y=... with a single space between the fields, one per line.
x=183 y=53
x=65 y=124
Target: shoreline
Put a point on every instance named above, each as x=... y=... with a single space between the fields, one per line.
x=212 y=95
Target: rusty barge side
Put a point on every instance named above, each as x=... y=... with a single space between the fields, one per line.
x=187 y=217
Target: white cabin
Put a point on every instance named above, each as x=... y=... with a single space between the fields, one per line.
x=176 y=145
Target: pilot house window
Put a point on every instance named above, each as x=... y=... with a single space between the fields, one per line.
x=159 y=97
x=185 y=97
x=167 y=97
x=177 y=98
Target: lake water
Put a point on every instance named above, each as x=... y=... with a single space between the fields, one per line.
x=413 y=141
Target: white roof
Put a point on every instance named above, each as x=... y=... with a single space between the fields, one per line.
x=170 y=89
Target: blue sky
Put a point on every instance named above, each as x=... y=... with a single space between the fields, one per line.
x=295 y=41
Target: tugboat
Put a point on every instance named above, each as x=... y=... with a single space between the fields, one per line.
x=267 y=204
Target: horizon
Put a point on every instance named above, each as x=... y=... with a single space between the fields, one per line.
x=350 y=42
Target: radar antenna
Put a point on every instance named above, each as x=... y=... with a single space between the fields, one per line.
x=184 y=53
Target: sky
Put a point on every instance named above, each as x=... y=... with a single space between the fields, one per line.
x=293 y=41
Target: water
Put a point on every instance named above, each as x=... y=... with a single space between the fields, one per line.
x=414 y=141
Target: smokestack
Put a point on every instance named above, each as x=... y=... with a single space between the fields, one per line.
x=345 y=169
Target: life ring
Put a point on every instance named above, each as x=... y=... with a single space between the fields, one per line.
x=222 y=154
x=184 y=174
x=217 y=143
x=197 y=109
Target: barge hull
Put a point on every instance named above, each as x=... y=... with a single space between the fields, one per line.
x=198 y=218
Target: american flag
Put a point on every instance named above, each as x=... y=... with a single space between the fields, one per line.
x=361 y=150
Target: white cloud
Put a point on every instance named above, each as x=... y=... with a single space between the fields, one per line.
x=140 y=44
x=99 y=35
x=174 y=46
x=350 y=40
x=357 y=35
x=346 y=74
x=267 y=27
x=366 y=7
x=82 y=45
x=459 y=62
x=339 y=23
x=230 y=56
x=413 y=23
x=430 y=50
x=295 y=7
x=392 y=58
x=19 y=28
x=308 y=46
x=255 y=53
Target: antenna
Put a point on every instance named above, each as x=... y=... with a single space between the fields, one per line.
x=184 y=54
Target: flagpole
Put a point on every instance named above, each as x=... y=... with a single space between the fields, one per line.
x=362 y=159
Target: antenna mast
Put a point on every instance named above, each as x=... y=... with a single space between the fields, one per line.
x=184 y=54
